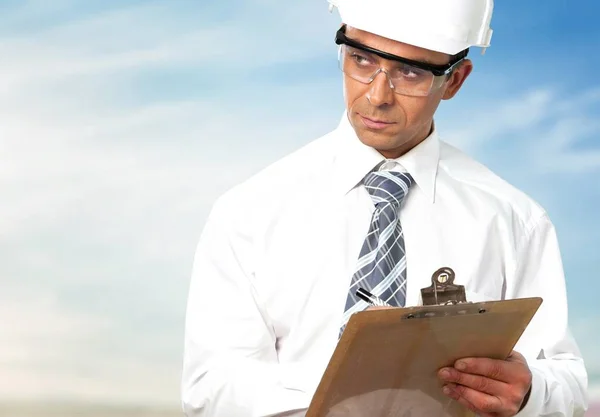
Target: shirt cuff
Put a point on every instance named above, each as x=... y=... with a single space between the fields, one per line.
x=535 y=403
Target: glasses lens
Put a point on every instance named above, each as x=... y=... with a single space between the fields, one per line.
x=406 y=79
x=358 y=64
x=411 y=80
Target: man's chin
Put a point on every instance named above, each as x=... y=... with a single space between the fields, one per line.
x=389 y=147
x=379 y=141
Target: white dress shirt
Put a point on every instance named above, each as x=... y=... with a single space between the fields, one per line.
x=277 y=254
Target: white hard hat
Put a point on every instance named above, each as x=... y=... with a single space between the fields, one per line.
x=447 y=26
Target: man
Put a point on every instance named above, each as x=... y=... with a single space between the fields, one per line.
x=381 y=202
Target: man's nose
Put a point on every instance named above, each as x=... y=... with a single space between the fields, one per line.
x=380 y=91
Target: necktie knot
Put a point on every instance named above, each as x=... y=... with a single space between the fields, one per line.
x=388 y=187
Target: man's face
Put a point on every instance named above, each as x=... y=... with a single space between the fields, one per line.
x=389 y=122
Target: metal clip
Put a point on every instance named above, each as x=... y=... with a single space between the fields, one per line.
x=442 y=290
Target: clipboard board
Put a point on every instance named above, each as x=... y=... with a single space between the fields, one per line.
x=386 y=362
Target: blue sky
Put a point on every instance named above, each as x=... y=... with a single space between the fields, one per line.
x=122 y=121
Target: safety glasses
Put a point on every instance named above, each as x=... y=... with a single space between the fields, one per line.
x=406 y=76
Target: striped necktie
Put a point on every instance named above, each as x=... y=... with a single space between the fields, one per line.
x=381 y=267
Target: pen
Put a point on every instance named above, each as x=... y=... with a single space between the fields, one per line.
x=370 y=298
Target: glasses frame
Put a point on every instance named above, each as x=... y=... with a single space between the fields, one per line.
x=437 y=70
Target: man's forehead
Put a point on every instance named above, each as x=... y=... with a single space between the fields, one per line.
x=395 y=47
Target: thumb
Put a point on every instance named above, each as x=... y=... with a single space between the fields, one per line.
x=516 y=357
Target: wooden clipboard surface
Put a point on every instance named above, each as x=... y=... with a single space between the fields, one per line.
x=395 y=351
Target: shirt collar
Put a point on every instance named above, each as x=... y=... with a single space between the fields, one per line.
x=354 y=160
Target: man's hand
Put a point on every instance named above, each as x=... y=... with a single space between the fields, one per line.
x=490 y=388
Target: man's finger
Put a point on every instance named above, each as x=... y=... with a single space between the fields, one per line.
x=450 y=391
x=491 y=368
x=482 y=403
x=477 y=382
x=516 y=357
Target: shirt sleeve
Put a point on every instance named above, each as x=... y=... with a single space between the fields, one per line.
x=230 y=365
x=559 y=386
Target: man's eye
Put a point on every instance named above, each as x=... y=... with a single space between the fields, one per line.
x=411 y=72
x=360 y=59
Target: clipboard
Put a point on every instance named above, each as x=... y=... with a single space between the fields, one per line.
x=386 y=362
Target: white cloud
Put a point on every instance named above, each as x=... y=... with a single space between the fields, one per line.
x=48 y=352
x=107 y=199
x=130 y=38
x=543 y=126
x=38 y=329
x=594 y=395
x=496 y=119
x=584 y=330
x=559 y=155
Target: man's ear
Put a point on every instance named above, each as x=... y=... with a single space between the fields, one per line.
x=457 y=78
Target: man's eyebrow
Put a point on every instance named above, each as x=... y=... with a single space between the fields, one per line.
x=424 y=60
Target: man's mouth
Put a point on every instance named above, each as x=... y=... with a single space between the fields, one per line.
x=373 y=123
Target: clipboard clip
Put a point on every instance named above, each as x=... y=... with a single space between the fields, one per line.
x=443 y=291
